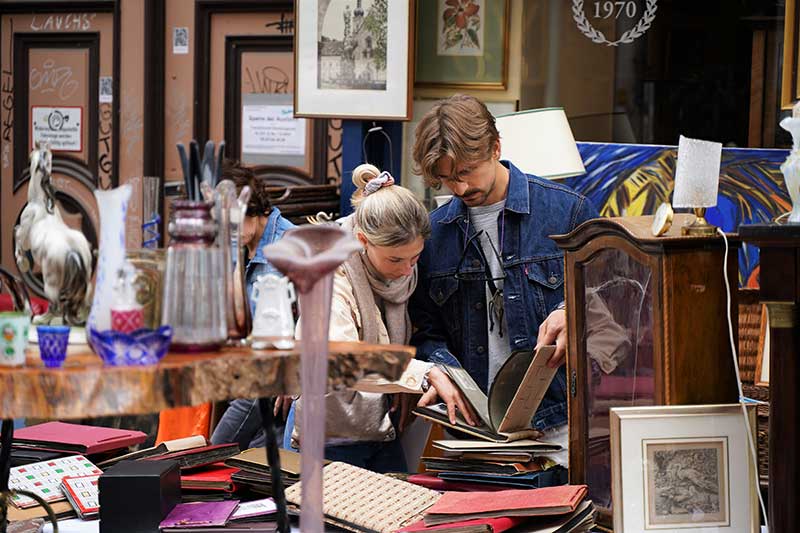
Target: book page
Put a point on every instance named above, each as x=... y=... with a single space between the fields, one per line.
x=530 y=392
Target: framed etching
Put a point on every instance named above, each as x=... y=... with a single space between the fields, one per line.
x=462 y=44
x=687 y=468
x=353 y=59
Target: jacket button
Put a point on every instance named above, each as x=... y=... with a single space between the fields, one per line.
x=481 y=349
x=552 y=280
x=479 y=305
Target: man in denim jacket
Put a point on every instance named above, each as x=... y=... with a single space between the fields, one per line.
x=457 y=309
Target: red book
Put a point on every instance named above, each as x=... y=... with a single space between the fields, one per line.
x=85 y=440
x=458 y=506
x=432 y=481
x=197 y=457
x=480 y=525
x=214 y=477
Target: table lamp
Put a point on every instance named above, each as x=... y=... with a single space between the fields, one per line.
x=540 y=142
x=697 y=182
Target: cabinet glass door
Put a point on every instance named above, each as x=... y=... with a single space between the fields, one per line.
x=618 y=344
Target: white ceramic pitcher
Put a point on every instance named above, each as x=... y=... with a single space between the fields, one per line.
x=273 y=322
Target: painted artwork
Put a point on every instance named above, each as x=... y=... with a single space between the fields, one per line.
x=686 y=483
x=634 y=179
x=460 y=31
x=351 y=48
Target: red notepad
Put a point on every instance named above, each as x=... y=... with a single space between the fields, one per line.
x=86 y=440
x=480 y=525
x=455 y=506
x=214 y=477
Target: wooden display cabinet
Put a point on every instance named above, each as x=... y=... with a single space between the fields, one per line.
x=647 y=325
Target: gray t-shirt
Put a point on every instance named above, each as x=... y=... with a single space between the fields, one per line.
x=489 y=219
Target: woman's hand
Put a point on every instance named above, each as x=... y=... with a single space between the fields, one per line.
x=442 y=387
x=282 y=405
x=404 y=403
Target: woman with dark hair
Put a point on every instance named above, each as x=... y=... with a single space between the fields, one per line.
x=263 y=224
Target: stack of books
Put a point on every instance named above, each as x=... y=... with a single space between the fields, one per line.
x=502 y=449
x=561 y=509
x=254 y=472
x=220 y=516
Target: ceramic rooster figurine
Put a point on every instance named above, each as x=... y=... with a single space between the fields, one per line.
x=63 y=255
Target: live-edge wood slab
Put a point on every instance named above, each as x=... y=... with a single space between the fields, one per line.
x=84 y=387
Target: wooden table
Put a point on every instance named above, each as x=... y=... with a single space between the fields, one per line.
x=84 y=387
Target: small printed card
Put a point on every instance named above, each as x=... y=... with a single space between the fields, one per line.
x=254 y=508
x=82 y=493
x=44 y=478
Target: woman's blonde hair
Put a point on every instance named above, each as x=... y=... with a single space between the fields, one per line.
x=459 y=127
x=390 y=216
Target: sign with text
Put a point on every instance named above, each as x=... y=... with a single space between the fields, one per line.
x=61 y=127
x=273 y=130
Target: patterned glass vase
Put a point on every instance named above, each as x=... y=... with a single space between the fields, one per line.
x=113 y=207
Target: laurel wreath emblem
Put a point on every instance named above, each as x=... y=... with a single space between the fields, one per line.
x=596 y=36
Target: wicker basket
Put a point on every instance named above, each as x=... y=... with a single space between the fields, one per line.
x=757 y=392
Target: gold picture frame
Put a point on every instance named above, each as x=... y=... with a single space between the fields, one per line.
x=479 y=69
x=687 y=468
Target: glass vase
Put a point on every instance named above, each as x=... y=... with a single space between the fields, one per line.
x=194 y=283
x=113 y=207
x=308 y=256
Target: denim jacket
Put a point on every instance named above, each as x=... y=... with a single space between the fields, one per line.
x=449 y=314
x=258 y=265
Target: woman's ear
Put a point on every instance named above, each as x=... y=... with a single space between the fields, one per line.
x=362 y=239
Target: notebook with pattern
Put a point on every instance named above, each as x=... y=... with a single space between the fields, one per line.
x=364 y=501
x=82 y=493
x=44 y=478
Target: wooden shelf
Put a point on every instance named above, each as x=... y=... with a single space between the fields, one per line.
x=84 y=387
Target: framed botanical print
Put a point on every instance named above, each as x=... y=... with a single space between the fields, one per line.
x=353 y=59
x=686 y=468
x=462 y=44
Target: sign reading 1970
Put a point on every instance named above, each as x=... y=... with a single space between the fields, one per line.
x=616 y=9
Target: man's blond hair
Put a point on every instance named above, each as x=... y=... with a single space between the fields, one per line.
x=459 y=127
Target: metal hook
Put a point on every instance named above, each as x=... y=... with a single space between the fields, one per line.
x=378 y=129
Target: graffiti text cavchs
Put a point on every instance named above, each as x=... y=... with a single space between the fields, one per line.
x=53 y=79
x=66 y=22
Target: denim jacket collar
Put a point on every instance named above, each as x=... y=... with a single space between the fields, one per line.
x=267 y=236
x=517 y=199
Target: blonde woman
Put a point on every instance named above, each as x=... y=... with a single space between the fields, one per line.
x=369 y=304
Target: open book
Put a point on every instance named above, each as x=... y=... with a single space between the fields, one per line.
x=505 y=414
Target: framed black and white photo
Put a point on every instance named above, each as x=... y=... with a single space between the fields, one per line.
x=353 y=59
x=683 y=468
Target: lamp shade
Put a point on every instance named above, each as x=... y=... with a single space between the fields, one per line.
x=697 y=173
x=540 y=142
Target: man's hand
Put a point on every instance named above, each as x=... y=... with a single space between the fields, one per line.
x=554 y=331
x=442 y=387
x=403 y=402
x=282 y=405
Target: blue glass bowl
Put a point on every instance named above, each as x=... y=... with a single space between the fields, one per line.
x=141 y=347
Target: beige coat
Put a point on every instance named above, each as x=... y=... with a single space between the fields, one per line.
x=352 y=415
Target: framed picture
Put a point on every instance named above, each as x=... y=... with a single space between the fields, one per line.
x=687 y=468
x=353 y=59
x=462 y=44
x=762 y=361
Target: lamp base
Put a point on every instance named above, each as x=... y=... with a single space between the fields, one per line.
x=700 y=227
